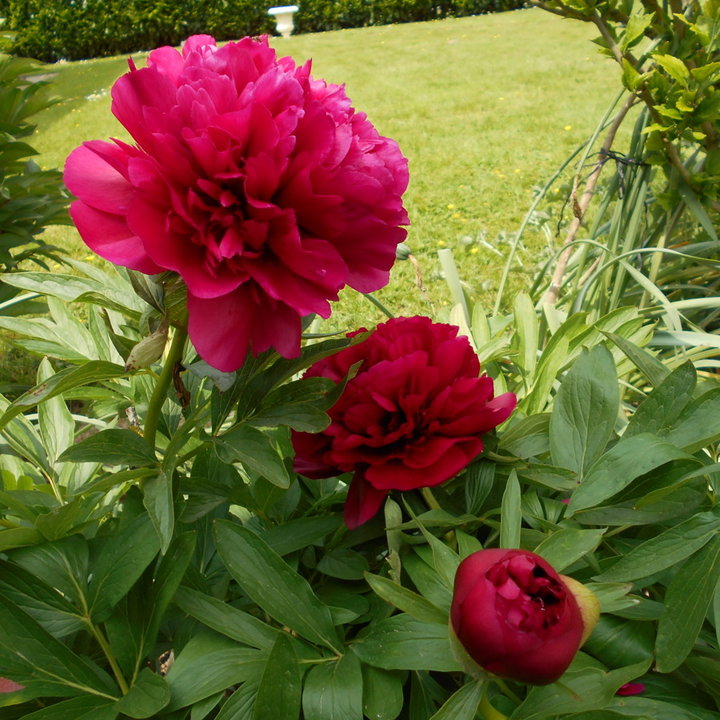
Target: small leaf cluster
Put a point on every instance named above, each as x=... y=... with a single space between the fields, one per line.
x=30 y=198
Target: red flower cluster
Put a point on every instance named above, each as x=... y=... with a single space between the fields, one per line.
x=517 y=618
x=413 y=416
x=260 y=186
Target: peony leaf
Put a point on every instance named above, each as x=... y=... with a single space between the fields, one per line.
x=590 y=688
x=619 y=466
x=664 y=550
x=382 y=693
x=270 y=582
x=563 y=547
x=211 y=672
x=403 y=643
x=85 y=707
x=333 y=691
x=406 y=600
x=67 y=379
x=511 y=513
x=280 y=690
x=585 y=411
x=114 y=446
x=463 y=704
x=685 y=609
x=662 y=407
x=146 y=697
x=158 y=501
x=255 y=449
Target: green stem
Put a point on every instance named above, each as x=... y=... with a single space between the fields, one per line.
x=160 y=393
x=507 y=691
x=105 y=645
x=378 y=305
x=430 y=499
x=487 y=710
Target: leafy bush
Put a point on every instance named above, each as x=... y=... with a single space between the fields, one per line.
x=30 y=198
x=66 y=29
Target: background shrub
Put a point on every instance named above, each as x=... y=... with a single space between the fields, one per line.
x=75 y=29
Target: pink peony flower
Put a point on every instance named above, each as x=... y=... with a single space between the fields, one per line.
x=260 y=186
x=8 y=686
x=413 y=416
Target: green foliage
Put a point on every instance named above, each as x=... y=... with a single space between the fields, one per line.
x=30 y=198
x=116 y=551
x=69 y=30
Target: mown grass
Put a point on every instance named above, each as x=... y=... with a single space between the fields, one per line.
x=484 y=107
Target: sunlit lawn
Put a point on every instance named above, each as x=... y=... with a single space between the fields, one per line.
x=484 y=107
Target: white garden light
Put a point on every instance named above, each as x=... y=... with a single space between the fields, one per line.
x=284 y=18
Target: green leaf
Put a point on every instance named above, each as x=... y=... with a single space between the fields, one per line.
x=382 y=693
x=695 y=206
x=526 y=328
x=114 y=446
x=479 y=480
x=686 y=603
x=565 y=546
x=406 y=600
x=343 y=563
x=617 y=642
x=511 y=513
x=240 y=704
x=636 y=25
x=226 y=619
x=124 y=557
x=462 y=704
x=146 y=697
x=662 y=407
x=300 y=533
x=646 y=363
x=578 y=690
x=585 y=411
x=158 y=500
x=698 y=424
x=274 y=585
x=674 y=67
x=419 y=567
x=34 y=658
x=619 y=466
x=210 y=673
x=67 y=379
x=63 y=564
x=665 y=550
x=39 y=600
x=57 y=427
x=403 y=643
x=333 y=691
x=300 y=404
x=280 y=691
x=256 y=451
x=85 y=707
x=19 y=537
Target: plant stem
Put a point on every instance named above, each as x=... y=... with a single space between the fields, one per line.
x=157 y=400
x=487 y=710
x=430 y=499
x=107 y=650
x=379 y=305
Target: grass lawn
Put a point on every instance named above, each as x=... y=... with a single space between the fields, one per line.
x=484 y=107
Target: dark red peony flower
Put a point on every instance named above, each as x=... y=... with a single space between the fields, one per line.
x=631 y=688
x=260 y=186
x=517 y=618
x=413 y=416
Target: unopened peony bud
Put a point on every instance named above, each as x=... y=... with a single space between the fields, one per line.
x=148 y=350
x=517 y=618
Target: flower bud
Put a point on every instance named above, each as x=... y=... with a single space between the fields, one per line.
x=517 y=618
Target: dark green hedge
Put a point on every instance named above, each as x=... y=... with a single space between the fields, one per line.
x=73 y=29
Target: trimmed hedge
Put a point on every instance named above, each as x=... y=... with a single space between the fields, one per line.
x=52 y=30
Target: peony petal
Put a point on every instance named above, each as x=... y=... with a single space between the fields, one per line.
x=95 y=181
x=363 y=502
x=110 y=237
